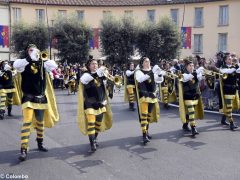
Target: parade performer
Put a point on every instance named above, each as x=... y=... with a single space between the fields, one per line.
x=129 y=86
x=167 y=87
x=38 y=98
x=94 y=111
x=6 y=89
x=190 y=101
x=229 y=89
x=148 y=107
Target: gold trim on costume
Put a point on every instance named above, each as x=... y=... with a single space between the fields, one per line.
x=191 y=102
x=129 y=86
x=94 y=111
x=229 y=96
x=32 y=105
x=8 y=90
x=148 y=100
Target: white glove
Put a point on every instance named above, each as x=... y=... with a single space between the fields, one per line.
x=200 y=70
x=163 y=73
x=7 y=67
x=100 y=71
x=156 y=69
x=187 y=77
x=138 y=67
x=35 y=54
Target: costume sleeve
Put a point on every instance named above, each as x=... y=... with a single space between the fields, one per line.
x=129 y=73
x=50 y=65
x=86 y=78
x=141 y=77
x=20 y=65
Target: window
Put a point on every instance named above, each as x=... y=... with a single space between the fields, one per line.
x=128 y=13
x=17 y=15
x=106 y=14
x=40 y=14
x=198 y=17
x=223 y=15
x=151 y=15
x=174 y=15
x=198 y=43
x=80 y=15
x=222 y=42
x=62 y=13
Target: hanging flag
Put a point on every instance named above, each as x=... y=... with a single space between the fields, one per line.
x=4 y=36
x=94 y=42
x=96 y=38
x=186 y=33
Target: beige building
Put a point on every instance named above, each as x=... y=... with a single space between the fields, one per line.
x=214 y=24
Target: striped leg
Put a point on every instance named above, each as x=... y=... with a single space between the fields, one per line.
x=9 y=103
x=40 y=129
x=26 y=131
x=144 y=121
x=2 y=105
x=91 y=120
x=165 y=95
x=98 y=123
x=228 y=112
x=191 y=115
x=144 y=115
x=131 y=98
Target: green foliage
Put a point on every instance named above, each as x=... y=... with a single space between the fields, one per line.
x=24 y=34
x=72 y=39
x=118 y=39
x=158 y=41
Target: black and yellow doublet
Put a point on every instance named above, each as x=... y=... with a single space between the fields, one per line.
x=190 y=101
x=33 y=86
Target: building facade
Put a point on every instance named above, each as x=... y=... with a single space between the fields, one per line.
x=4 y=31
x=208 y=26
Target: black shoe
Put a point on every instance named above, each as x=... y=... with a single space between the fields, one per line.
x=186 y=128
x=40 y=145
x=223 y=121
x=2 y=112
x=131 y=107
x=194 y=131
x=166 y=106
x=95 y=141
x=23 y=155
x=148 y=136
x=9 y=111
x=233 y=126
x=92 y=143
x=145 y=139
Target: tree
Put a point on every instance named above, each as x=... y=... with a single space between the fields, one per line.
x=118 y=39
x=72 y=39
x=158 y=40
x=170 y=39
x=24 y=34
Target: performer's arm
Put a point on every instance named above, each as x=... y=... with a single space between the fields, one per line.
x=20 y=65
x=227 y=70
x=50 y=65
x=129 y=73
x=187 y=77
x=86 y=78
x=140 y=77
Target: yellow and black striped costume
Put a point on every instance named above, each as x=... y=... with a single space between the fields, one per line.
x=146 y=98
x=229 y=92
x=190 y=101
x=94 y=112
x=130 y=89
x=6 y=91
